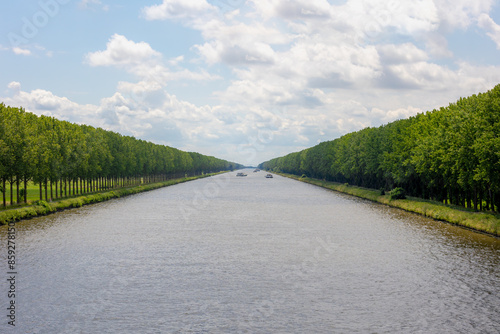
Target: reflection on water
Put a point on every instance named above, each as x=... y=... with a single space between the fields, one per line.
x=251 y=255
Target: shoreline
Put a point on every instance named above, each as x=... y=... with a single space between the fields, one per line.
x=43 y=208
x=482 y=222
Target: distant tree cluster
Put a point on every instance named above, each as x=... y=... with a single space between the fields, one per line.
x=73 y=159
x=450 y=155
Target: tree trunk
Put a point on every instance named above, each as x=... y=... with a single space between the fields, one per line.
x=491 y=206
x=475 y=199
x=17 y=190
x=11 y=191
x=4 y=192
x=497 y=201
x=481 y=201
x=25 y=190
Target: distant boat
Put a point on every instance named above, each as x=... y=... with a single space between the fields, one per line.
x=256 y=170
x=269 y=176
x=241 y=174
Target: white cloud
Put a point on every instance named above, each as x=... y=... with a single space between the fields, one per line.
x=292 y=10
x=91 y=4
x=21 y=51
x=178 y=9
x=122 y=52
x=492 y=29
x=257 y=53
x=336 y=68
x=29 y=50
x=43 y=102
x=14 y=87
x=300 y=71
x=461 y=13
x=140 y=59
x=142 y=110
x=320 y=47
x=240 y=43
x=437 y=45
x=358 y=18
x=401 y=54
x=391 y=115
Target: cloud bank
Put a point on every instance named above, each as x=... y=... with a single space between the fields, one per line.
x=300 y=72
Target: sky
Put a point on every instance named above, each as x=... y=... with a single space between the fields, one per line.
x=245 y=81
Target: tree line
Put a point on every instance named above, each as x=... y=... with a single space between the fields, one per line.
x=450 y=155
x=66 y=159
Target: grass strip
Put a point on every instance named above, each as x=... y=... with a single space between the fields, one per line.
x=42 y=208
x=479 y=221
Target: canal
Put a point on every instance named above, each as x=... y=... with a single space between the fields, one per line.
x=230 y=254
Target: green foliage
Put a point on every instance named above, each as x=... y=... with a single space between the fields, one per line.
x=42 y=204
x=450 y=155
x=45 y=150
x=398 y=193
x=23 y=193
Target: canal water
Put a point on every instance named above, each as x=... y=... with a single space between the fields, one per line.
x=230 y=254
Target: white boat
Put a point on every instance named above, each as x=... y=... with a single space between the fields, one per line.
x=269 y=176
x=241 y=174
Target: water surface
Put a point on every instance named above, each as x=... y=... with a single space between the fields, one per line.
x=231 y=254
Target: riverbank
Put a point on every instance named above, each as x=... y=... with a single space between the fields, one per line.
x=479 y=221
x=42 y=208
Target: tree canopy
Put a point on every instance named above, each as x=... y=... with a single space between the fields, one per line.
x=451 y=154
x=50 y=151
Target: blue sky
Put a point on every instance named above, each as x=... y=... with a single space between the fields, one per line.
x=244 y=80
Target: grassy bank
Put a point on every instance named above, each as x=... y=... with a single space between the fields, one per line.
x=480 y=221
x=41 y=208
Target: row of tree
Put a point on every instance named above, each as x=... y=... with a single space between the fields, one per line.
x=74 y=159
x=450 y=155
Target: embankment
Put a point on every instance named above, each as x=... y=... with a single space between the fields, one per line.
x=479 y=221
x=42 y=208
